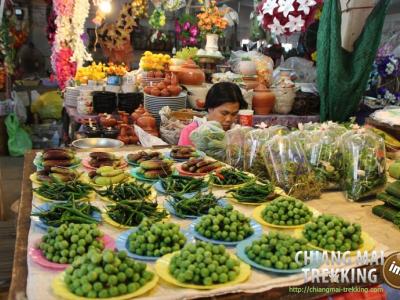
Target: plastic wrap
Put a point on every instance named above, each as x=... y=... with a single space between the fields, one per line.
x=235 y=141
x=364 y=162
x=255 y=139
x=171 y=128
x=289 y=168
x=210 y=138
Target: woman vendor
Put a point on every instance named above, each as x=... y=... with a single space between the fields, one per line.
x=223 y=102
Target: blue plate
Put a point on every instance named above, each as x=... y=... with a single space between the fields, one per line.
x=172 y=211
x=199 y=155
x=258 y=231
x=241 y=253
x=134 y=173
x=159 y=188
x=122 y=239
x=46 y=206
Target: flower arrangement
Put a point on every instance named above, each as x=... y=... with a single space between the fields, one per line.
x=154 y=62
x=388 y=66
x=64 y=67
x=140 y=8
x=187 y=30
x=115 y=70
x=6 y=44
x=80 y=13
x=92 y=72
x=287 y=16
x=211 y=20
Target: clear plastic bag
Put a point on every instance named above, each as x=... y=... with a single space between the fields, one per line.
x=323 y=152
x=235 y=140
x=255 y=139
x=289 y=169
x=210 y=138
x=364 y=163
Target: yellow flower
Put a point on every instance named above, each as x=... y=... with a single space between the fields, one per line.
x=314 y=56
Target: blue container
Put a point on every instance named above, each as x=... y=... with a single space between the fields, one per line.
x=114 y=80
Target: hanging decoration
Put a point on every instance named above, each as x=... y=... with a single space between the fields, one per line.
x=51 y=25
x=287 y=16
x=187 y=30
x=140 y=8
x=157 y=21
x=65 y=69
x=7 y=52
x=80 y=13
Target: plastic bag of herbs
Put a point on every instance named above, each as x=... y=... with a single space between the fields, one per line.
x=210 y=138
x=323 y=152
x=364 y=164
x=289 y=168
x=255 y=139
x=235 y=140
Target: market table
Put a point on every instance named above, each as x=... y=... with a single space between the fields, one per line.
x=260 y=285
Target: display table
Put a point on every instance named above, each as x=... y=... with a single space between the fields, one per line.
x=284 y=120
x=27 y=277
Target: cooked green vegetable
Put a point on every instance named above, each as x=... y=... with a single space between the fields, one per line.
x=64 y=191
x=277 y=250
x=286 y=210
x=333 y=233
x=156 y=239
x=127 y=191
x=224 y=224
x=394 y=189
x=107 y=274
x=389 y=199
x=387 y=212
x=204 y=264
x=229 y=176
x=69 y=212
x=132 y=212
x=177 y=184
x=253 y=192
x=196 y=205
x=63 y=244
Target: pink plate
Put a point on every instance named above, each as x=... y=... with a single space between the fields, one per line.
x=85 y=163
x=37 y=256
x=185 y=173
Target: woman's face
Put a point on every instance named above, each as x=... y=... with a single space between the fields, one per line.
x=225 y=114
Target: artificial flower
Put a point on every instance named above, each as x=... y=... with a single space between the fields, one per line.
x=211 y=20
x=80 y=13
x=269 y=6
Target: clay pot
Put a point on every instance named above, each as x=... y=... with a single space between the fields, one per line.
x=124 y=117
x=189 y=73
x=107 y=120
x=250 y=82
x=148 y=123
x=247 y=68
x=263 y=100
x=138 y=113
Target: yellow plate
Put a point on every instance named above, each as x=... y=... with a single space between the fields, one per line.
x=257 y=216
x=151 y=197
x=61 y=290
x=162 y=269
x=90 y=197
x=278 y=191
x=368 y=245
x=111 y=222
x=34 y=179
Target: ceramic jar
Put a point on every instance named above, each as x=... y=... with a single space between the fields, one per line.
x=189 y=73
x=138 y=113
x=212 y=42
x=247 y=68
x=284 y=99
x=263 y=100
x=250 y=82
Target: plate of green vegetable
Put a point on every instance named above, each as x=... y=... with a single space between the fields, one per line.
x=192 y=206
x=177 y=184
x=54 y=215
x=279 y=259
x=254 y=193
x=64 y=191
x=229 y=178
x=128 y=191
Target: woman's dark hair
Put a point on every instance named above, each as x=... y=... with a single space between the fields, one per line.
x=224 y=92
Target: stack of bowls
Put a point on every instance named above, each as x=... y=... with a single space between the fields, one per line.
x=154 y=104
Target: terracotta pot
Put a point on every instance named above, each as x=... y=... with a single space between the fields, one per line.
x=138 y=113
x=148 y=123
x=124 y=117
x=263 y=100
x=247 y=68
x=189 y=73
x=250 y=82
